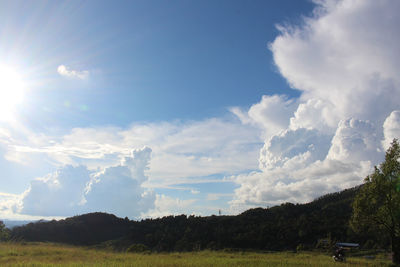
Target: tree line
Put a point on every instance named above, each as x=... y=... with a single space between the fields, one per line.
x=283 y=227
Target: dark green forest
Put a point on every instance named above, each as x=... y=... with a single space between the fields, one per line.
x=321 y=222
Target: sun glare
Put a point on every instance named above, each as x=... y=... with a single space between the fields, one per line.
x=11 y=92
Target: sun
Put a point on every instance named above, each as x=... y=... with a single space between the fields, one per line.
x=11 y=92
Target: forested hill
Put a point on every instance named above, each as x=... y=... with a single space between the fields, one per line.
x=277 y=228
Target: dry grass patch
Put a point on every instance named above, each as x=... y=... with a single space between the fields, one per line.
x=45 y=254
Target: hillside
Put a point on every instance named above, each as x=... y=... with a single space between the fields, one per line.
x=278 y=228
x=87 y=229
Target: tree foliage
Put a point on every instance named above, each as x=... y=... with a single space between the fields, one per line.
x=283 y=227
x=377 y=205
x=4 y=232
x=87 y=229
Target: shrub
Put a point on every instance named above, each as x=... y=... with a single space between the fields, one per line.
x=137 y=248
x=300 y=247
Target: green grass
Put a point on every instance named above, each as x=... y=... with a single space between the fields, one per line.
x=44 y=254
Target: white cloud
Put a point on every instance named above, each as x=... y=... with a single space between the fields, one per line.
x=355 y=141
x=119 y=189
x=165 y=206
x=314 y=114
x=59 y=194
x=345 y=61
x=89 y=165
x=8 y=209
x=298 y=166
x=307 y=145
x=296 y=183
x=194 y=192
x=180 y=150
x=345 y=55
x=75 y=190
x=67 y=72
x=272 y=113
x=217 y=196
x=391 y=128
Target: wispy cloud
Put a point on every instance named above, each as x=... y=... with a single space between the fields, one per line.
x=217 y=196
x=67 y=72
x=182 y=152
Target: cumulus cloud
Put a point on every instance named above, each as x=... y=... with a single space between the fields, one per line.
x=356 y=140
x=302 y=145
x=7 y=203
x=297 y=166
x=344 y=59
x=391 y=128
x=58 y=194
x=296 y=182
x=272 y=113
x=313 y=114
x=165 y=206
x=119 y=189
x=75 y=190
x=69 y=73
x=345 y=55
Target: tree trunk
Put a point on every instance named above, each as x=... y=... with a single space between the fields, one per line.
x=396 y=249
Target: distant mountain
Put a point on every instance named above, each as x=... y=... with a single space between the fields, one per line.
x=283 y=227
x=13 y=223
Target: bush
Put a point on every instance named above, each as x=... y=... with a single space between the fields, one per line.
x=137 y=248
x=300 y=247
x=4 y=232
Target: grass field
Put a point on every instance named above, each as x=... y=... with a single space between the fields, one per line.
x=43 y=254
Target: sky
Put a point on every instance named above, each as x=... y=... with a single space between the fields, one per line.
x=153 y=108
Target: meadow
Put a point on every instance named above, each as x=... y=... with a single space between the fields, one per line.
x=48 y=254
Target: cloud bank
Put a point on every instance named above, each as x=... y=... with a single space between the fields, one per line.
x=98 y=172
x=345 y=61
x=76 y=190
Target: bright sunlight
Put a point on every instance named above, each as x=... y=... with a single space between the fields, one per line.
x=11 y=91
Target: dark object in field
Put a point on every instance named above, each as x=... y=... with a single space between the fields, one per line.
x=340 y=249
x=347 y=245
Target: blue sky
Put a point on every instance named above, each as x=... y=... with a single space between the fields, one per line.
x=149 y=60
x=191 y=106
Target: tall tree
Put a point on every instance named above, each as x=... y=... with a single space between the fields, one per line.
x=4 y=232
x=377 y=205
